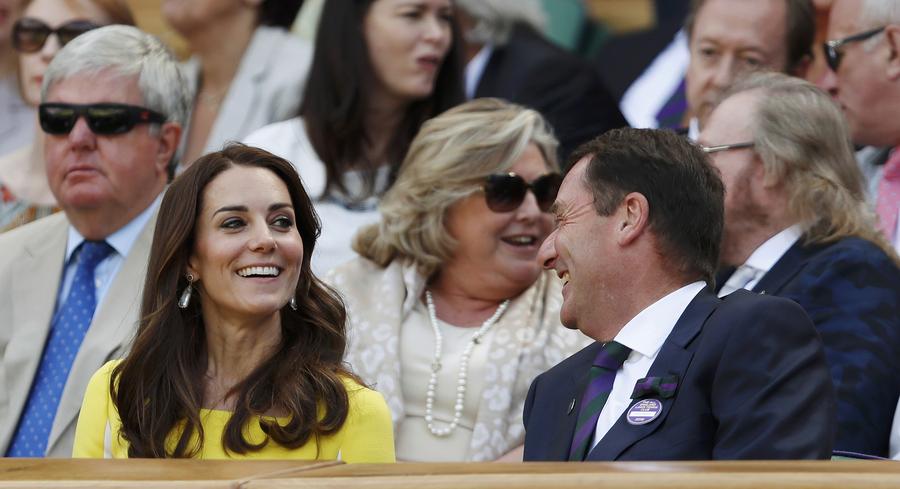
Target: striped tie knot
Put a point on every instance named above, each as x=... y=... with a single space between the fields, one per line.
x=612 y=356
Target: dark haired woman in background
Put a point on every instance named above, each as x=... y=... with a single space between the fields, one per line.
x=380 y=69
x=247 y=70
x=239 y=350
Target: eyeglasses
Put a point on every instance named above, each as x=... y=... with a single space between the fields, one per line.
x=726 y=147
x=30 y=34
x=833 y=53
x=505 y=192
x=102 y=119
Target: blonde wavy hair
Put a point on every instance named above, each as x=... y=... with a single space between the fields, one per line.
x=803 y=140
x=449 y=160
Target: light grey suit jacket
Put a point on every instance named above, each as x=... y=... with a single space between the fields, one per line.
x=267 y=87
x=31 y=265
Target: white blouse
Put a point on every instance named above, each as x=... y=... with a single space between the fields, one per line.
x=413 y=441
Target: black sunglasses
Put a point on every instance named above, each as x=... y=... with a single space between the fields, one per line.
x=30 y=34
x=505 y=192
x=833 y=53
x=103 y=119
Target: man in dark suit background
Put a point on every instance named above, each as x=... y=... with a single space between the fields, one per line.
x=675 y=373
x=510 y=59
x=797 y=225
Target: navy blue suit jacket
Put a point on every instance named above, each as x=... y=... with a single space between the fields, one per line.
x=851 y=291
x=752 y=384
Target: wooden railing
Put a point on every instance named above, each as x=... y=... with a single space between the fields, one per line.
x=99 y=474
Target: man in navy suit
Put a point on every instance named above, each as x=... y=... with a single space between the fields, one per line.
x=797 y=225
x=676 y=373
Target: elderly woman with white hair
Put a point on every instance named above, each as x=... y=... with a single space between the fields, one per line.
x=451 y=315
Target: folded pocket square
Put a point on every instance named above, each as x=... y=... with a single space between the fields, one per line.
x=656 y=387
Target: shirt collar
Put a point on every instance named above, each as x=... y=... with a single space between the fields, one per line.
x=647 y=331
x=475 y=68
x=123 y=239
x=765 y=257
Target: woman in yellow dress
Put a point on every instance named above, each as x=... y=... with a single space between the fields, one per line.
x=239 y=349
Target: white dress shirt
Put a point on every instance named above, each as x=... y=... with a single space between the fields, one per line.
x=121 y=241
x=645 y=335
x=767 y=255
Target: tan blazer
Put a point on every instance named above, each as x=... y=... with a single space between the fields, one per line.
x=31 y=265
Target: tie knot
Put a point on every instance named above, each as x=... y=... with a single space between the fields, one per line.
x=93 y=252
x=612 y=356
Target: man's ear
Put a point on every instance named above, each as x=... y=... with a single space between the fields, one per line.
x=169 y=138
x=892 y=38
x=633 y=217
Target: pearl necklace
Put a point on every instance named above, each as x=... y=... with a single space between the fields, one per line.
x=463 y=367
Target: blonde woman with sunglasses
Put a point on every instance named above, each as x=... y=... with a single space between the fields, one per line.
x=450 y=314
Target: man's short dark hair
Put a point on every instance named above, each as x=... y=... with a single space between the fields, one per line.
x=684 y=191
x=800 y=28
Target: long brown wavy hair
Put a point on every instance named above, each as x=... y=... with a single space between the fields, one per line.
x=158 y=388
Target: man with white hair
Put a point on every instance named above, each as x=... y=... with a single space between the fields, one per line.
x=862 y=52
x=113 y=107
x=797 y=225
x=509 y=58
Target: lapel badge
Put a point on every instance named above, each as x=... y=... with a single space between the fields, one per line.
x=644 y=411
x=571 y=406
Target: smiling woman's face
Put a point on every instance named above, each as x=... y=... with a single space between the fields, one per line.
x=248 y=251
x=499 y=249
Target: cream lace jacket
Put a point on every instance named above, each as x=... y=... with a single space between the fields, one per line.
x=528 y=339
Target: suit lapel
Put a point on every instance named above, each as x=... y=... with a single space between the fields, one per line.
x=785 y=268
x=37 y=276
x=673 y=358
x=113 y=326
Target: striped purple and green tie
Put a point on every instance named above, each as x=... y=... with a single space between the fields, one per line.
x=603 y=372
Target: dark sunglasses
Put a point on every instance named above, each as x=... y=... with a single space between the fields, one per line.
x=505 y=192
x=833 y=52
x=29 y=34
x=103 y=119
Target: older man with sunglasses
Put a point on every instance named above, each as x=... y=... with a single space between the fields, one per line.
x=864 y=39
x=113 y=107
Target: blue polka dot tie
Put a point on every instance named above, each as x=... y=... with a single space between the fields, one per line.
x=66 y=333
